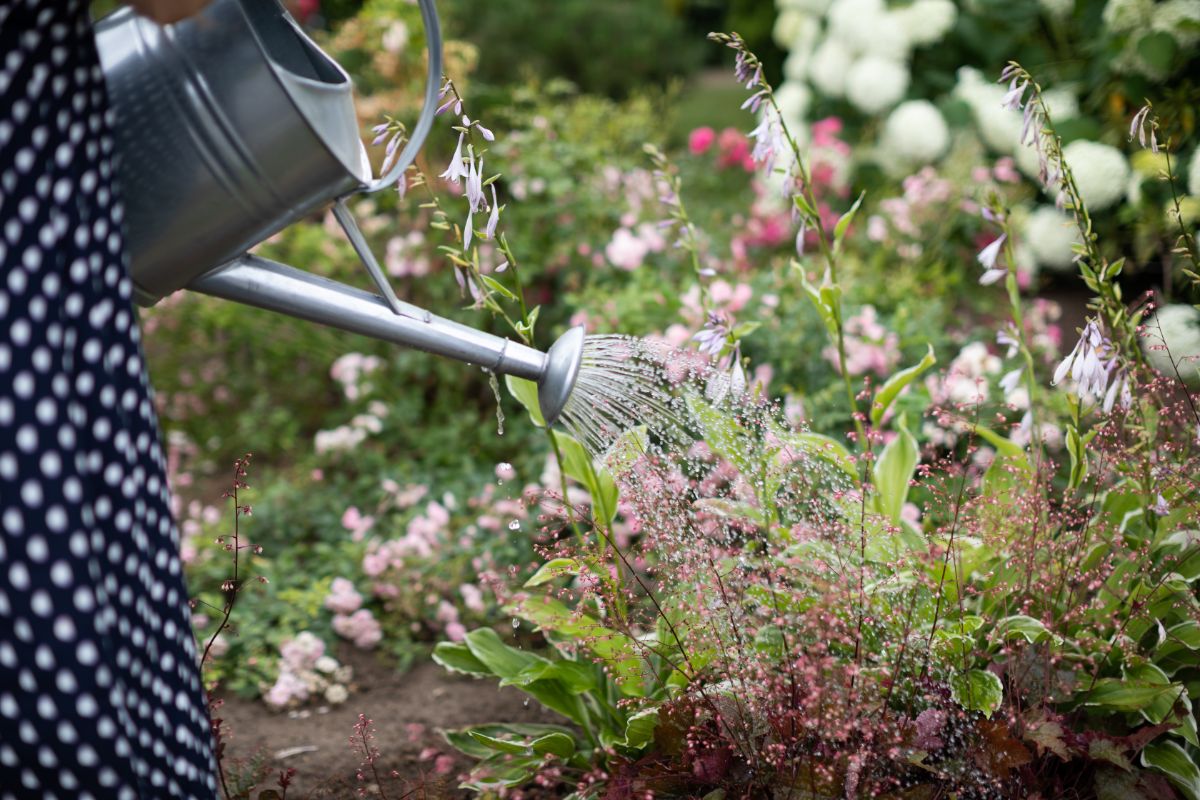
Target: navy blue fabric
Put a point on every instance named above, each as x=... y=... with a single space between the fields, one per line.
x=100 y=695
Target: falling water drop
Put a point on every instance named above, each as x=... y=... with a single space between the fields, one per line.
x=514 y=525
x=495 y=384
x=516 y=623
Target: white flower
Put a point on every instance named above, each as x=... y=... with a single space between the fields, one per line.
x=926 y=21
x=1101 y=172
x=1123 y=16
x=1180 y=18
x=326 y=664
x=1178 y=326
x=866 y=27
x=1050 y=235
x=1061 y=102
x=395 y=38
x=874 y=84
x=999 y=127
x=336 y=694
x=915 y=132
x=828 y=67
x=817 y=7
x=1193 y=176
x=800 y=49
x=788 y=26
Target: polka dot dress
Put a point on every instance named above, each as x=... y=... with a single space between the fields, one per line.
x=99 y=691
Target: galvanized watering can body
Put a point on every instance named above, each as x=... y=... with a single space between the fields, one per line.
x=232 y=125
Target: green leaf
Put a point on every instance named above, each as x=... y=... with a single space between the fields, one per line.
x=496 y=743
x=497 y=286
x=723 y=434
x=1004 y=447
x=457 y=657
x=1173 y=761
x=526 y=393
x=731 y=509
x=1157 y=50
x=894 y=385
x=1079 y=462
x=977 y=690
x=1124 y=695
x=466 y=742
x=893 y=471
x=823 y=447
x=1020 y=626
x=839 y=230
x=554 y=568
x=577 y=464
x=556 y=743
x=1163 y=705
x=614 y=648
x=509 y=664
x=639 y=729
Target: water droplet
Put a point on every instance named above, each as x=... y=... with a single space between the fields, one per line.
x=526 y=703
x=514 y=525
x=516 y=623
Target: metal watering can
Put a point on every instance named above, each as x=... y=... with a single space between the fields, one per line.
x=232 y=125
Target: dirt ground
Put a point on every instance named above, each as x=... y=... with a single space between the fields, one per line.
x=318 y=745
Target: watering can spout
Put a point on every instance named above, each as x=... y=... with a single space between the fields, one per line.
x=277 y=287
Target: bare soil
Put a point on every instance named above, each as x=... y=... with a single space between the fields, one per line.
x=317 y=745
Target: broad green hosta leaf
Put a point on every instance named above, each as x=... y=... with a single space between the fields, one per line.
x=457 y=657
x=466 y=742
x=977 y=690
x=639 y=729
x=1020 y=626
x=892 y=387
x=555 y=743
x=554 y=568
x=1162 y=708
x=731 y=509
x=892 y=473
x=510 y=665
x=1179 y=648
x=526 y=394
x=1173 y=761
x=1118 y=694
x=615 y=649
x=727 y=438
x=577 y=463
x=822 y=447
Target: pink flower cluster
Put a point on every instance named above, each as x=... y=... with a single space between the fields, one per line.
x=870 y=347
x=361 y=627
x=350 y=370
x=629 y=246
x=343 y=598
x=733 y=148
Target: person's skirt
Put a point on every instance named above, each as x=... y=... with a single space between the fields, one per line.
x=100 y=694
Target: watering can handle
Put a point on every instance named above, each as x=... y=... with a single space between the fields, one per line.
x=433 y=42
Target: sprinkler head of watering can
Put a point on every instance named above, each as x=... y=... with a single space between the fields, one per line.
x=561 y=371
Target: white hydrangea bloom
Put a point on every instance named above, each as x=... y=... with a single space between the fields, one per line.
x=1050 y=233
x=1101 y=172
x=794 y=99
x=1027 y=160
x=874 y=84
x=999 y=127
x=1179 y=326
x=915 y=133
x=829 y=66
x=926 y=21
x=1180 y=18
x=1193 y=176
x=1061 y=102
x=1123 y=16
x=800 y=53
x=787 y=26
x=867 y=27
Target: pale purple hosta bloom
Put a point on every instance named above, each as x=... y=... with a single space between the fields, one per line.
x=393 y=150
x=456 y=170
x=469 y=229
x=1161 y=507
x=503 y=265
x=381 y=132
x=712 y=336
x=1011 y=381
x=754 y=101
x=768 y=140
x=1138 y=126
x=402 y=185
x=475 y=186
x=1006 y=336
x=1093 y=366
x=800 y=234
x=743 y=72
x=1016 y=92
x=494 y=218
x=988 y=257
